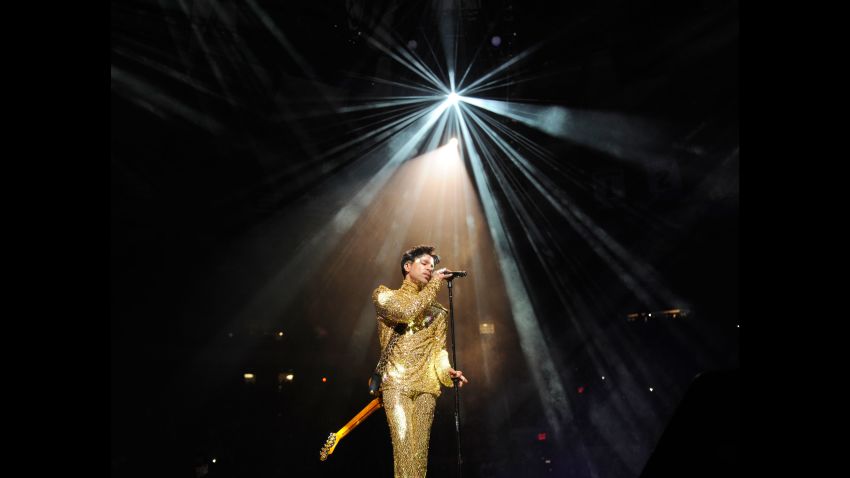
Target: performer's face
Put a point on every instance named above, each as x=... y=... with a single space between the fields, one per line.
x=420 y=269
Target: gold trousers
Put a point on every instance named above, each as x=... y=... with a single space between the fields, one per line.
x=410 y=415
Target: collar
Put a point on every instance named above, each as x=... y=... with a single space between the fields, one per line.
x=409 y=286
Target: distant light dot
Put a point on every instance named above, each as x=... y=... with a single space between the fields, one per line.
x=650 y=389
x=496 y=40
x=213 y=460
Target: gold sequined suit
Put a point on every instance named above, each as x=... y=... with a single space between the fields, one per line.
x=416 y=367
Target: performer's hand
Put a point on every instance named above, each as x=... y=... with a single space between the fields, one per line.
x=457 y=375
x=443 y=273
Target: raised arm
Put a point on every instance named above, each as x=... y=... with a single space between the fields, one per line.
x=403 y=307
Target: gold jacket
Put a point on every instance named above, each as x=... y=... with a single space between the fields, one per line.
x=418 y=361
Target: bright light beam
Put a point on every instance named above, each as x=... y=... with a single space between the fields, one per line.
x=406 y=59
x=522 y=56
x=280 y=291
x=543 y=371
x=606 y=247
x=452 y=98
x=625 y=265
x=618 y=135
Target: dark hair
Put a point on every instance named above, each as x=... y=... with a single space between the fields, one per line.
x=410 y=255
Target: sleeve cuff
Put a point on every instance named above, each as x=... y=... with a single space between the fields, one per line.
x=443 y=370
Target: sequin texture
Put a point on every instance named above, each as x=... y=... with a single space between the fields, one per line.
x=416 y=367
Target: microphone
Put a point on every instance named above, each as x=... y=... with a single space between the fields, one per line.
x=456 y=274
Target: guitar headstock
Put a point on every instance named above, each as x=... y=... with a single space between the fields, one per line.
x=328 y=447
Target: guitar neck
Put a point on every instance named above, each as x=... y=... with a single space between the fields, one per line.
x=334 y=438
x=364 y=414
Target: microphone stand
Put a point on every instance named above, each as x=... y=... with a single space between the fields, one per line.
x=456 y=380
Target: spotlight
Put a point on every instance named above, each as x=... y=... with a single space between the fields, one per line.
x=453 y=141
x=452 y=98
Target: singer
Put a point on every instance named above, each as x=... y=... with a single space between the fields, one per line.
x=417 y=364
